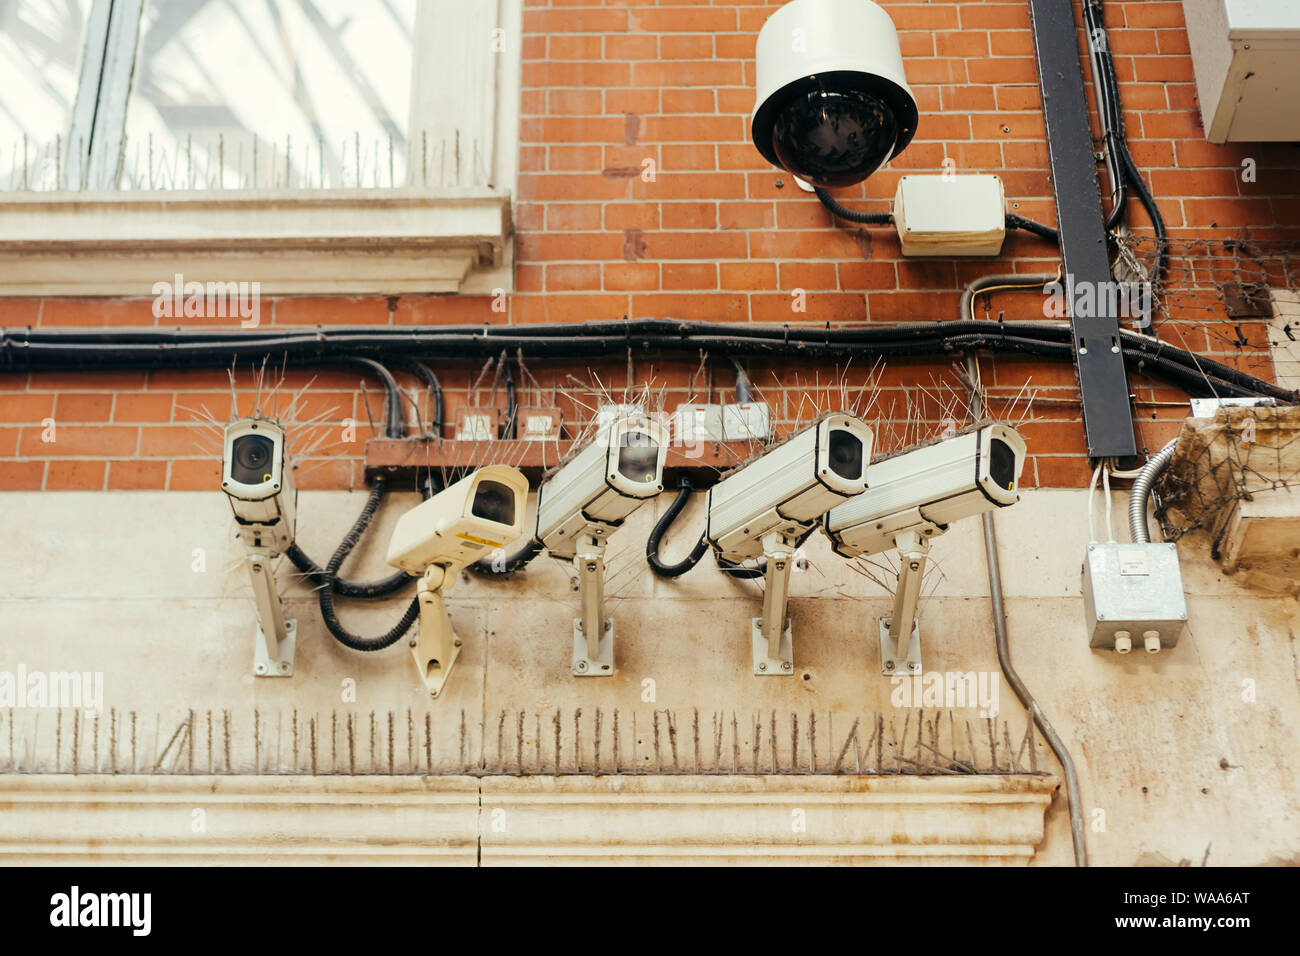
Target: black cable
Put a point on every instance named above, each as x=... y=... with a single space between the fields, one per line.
x=845 y=213
x=54 y=349
x=744 y=387
x=1014 y=221
x=512 y=404
x=509 y=563
x=325 y=594
x=435 y=393
x=1149 y=203
x=661 y=528
x=322 y=577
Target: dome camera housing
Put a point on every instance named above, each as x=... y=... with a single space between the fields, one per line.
x=833 y=105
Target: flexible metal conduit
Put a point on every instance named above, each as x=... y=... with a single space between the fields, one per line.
x=1017 y=279
x=1142 y=485
x=1004 y=649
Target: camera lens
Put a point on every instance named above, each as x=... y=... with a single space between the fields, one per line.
x=250 y=459
x=834 y=138
x=639 y=456
x=845 y=454
x=494 y=501
x=1002 y=464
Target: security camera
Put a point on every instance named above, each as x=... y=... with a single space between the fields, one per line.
x=582 y=503
x=766 y=508
x=833 y=104
x=257 y=483
x=259 y=486
x=437 y=539
x=913 y=498
x=600 y=486
x=930 y=487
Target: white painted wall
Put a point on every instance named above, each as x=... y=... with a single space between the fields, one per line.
x=1168 y=747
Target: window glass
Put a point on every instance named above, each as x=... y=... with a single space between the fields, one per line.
x=41 y=43
x=251 y=94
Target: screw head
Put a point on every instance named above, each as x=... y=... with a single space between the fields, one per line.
x=260 y=669
x=762 y=667
x=411 y=642
x=456 y=642
x=582 y=665
x=433 y=693
x=889 y=665
x=284 y=667
x=785 y=665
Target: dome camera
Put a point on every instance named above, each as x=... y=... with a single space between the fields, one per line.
x=833 y=105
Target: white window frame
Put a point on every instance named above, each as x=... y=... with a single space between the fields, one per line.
x=88 y=238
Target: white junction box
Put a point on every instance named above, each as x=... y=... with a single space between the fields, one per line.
x=1244 y=56
x=950 y=215
x=747 y=421
x=697 y=422
x=1133 y=596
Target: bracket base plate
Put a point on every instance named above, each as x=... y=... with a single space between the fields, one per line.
x=891 y=664
x=603 y=664
x=263 y=666
x=435 y=678
x=764 y=666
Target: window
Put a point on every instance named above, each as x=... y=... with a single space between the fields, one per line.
x=327 y=146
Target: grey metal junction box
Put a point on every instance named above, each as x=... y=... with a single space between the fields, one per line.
x=1134 y=593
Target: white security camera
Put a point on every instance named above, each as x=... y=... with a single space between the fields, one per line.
x=257 y=483
x=582 y=503
x=438 y=538
x=259 y=486
x=833 y=104
x=913 y=498
x=766 y=507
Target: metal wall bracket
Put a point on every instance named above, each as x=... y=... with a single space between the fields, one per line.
x=273 y=647
x=593 y=633
x=436 y=648
x=771 y=635
x=900 y=635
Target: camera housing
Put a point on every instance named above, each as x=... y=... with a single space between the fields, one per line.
x=600 y=486
x=930 y=487
x=790 y=487
x=832 y=102
x=461 y=523
x=258 y=483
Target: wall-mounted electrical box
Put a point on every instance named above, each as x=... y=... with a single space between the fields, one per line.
x=474 y=423
x=697 y=422
x=1133 y=596
x=1244 y=55
x=539 y=423
x=950 y=215
x=747 y=421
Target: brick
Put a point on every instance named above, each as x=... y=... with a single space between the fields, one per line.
x=130 y=475
x=75 y=475
x=22 y=475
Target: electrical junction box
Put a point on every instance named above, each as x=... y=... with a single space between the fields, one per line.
x=747 y=421
x=1244 y=55
x=478 y=424
x=950 y=215
x=539 y=424
x=1133 y=596
x=696 y=423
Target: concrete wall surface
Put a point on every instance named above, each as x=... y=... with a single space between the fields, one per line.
x=1188 y=755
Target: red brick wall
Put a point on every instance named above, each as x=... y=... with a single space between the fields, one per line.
x=718 y=236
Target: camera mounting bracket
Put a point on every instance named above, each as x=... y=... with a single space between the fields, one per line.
x=276 y=636
x=593 y=633
x=437 y=647
x=899 y=655
x=771 y=635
